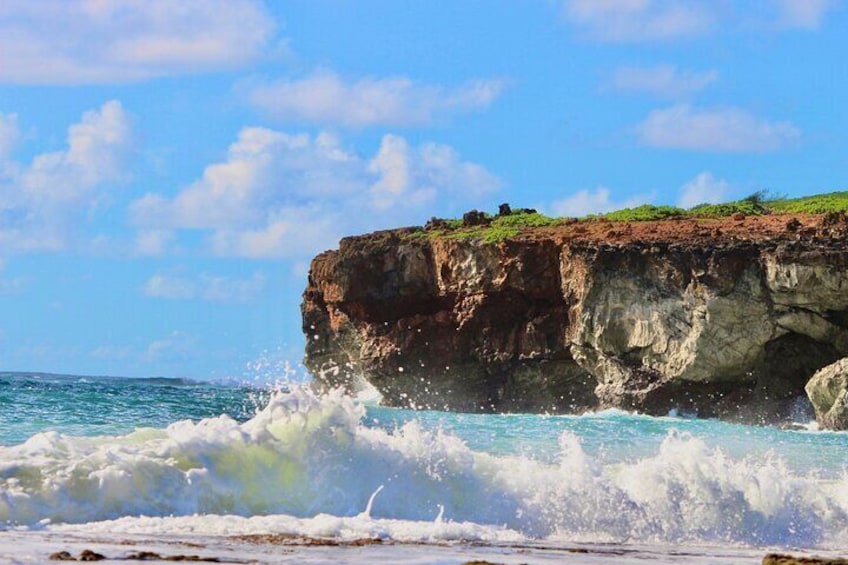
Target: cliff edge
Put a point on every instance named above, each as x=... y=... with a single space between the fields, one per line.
x=716 y=317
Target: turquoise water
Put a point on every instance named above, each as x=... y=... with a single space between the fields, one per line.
x=91 y=406
x=154 y=455
x=614 y=437
x=86 y=406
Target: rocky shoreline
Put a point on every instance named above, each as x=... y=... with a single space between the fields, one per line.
x=718 y=317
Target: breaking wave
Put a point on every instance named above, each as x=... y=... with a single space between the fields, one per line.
x=310 y=465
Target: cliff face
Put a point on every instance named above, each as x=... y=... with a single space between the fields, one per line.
x=728 y=322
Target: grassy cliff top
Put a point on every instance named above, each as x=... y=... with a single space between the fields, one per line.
x=508 y=223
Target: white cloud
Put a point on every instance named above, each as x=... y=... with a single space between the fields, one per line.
x=230 y=290
x=104 y=41
x=153 y=242
x=13 y=285
x=211 y=288
x=640 y=20
x=262 y=167
x=112 y=352
x=326 y=98
x=730 y=130
x=288 y=232
x=665 y=81
x=668 y=20
x=174 y=348
x=596 y=201
x=282 y=195
x=95 y=153
x=414 y=176
x=704 y=188
x=9 y=134
x=804 y=14
x=43 y=199
x=172 y=288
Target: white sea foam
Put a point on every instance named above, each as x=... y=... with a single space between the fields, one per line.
x=309 y=465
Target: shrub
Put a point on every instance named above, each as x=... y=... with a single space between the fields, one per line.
x=643 y=213
x=524 y=219
x=818 y=204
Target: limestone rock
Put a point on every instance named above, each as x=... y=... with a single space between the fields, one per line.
x=567 y=319
x=828 y=392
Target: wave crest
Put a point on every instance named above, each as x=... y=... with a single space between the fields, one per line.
x=305 y=456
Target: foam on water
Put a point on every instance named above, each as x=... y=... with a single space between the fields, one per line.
x=309 y=465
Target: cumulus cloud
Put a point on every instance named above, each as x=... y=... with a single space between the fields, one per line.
x=596 y=201
x=730 y=130
x=704 y=188
x=210 y=288
x=326 y=98
x=42 y=199
x=640 y=20
x=103 y=41
x=665 y=81
x=415 y=176
x=288 y=195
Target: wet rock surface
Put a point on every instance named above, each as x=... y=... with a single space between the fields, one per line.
x=89 y=555
x=828 y=391
x=778 y=559
x=714 y=317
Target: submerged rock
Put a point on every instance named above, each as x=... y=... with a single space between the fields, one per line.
x=714 y=318
x=828 y=392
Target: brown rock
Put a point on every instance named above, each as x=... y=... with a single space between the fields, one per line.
x=778 y=559
x=715 y=318
x=793 y=225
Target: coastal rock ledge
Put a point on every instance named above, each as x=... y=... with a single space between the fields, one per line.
x=725 y=318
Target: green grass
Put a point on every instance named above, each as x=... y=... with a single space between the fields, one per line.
x=818 y=204
x=505 y=227
x=756 y=204
x=728 y=209
x=524 y=220
x=499 y=229
x=643 y=213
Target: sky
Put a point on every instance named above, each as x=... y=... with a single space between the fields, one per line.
x=168 y=169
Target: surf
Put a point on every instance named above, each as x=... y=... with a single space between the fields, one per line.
x=304 y=461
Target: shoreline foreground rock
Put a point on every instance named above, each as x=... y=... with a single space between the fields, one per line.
x=726 y=318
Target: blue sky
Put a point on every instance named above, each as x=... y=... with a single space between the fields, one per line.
x=169 y=168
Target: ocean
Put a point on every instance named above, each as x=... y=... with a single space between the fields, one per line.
x=278 y=474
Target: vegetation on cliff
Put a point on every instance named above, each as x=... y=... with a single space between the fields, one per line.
x=726 y=317
x=509 y=223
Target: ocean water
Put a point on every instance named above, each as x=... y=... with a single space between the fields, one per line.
x=281 y=475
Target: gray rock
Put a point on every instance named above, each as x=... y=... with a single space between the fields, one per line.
x=828 y=392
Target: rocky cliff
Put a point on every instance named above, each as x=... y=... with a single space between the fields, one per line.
x=726 y=318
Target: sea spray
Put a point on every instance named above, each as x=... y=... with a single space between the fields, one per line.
x=308 y=463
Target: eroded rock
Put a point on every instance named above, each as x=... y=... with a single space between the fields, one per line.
x=828 y=392
x=560 y=320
